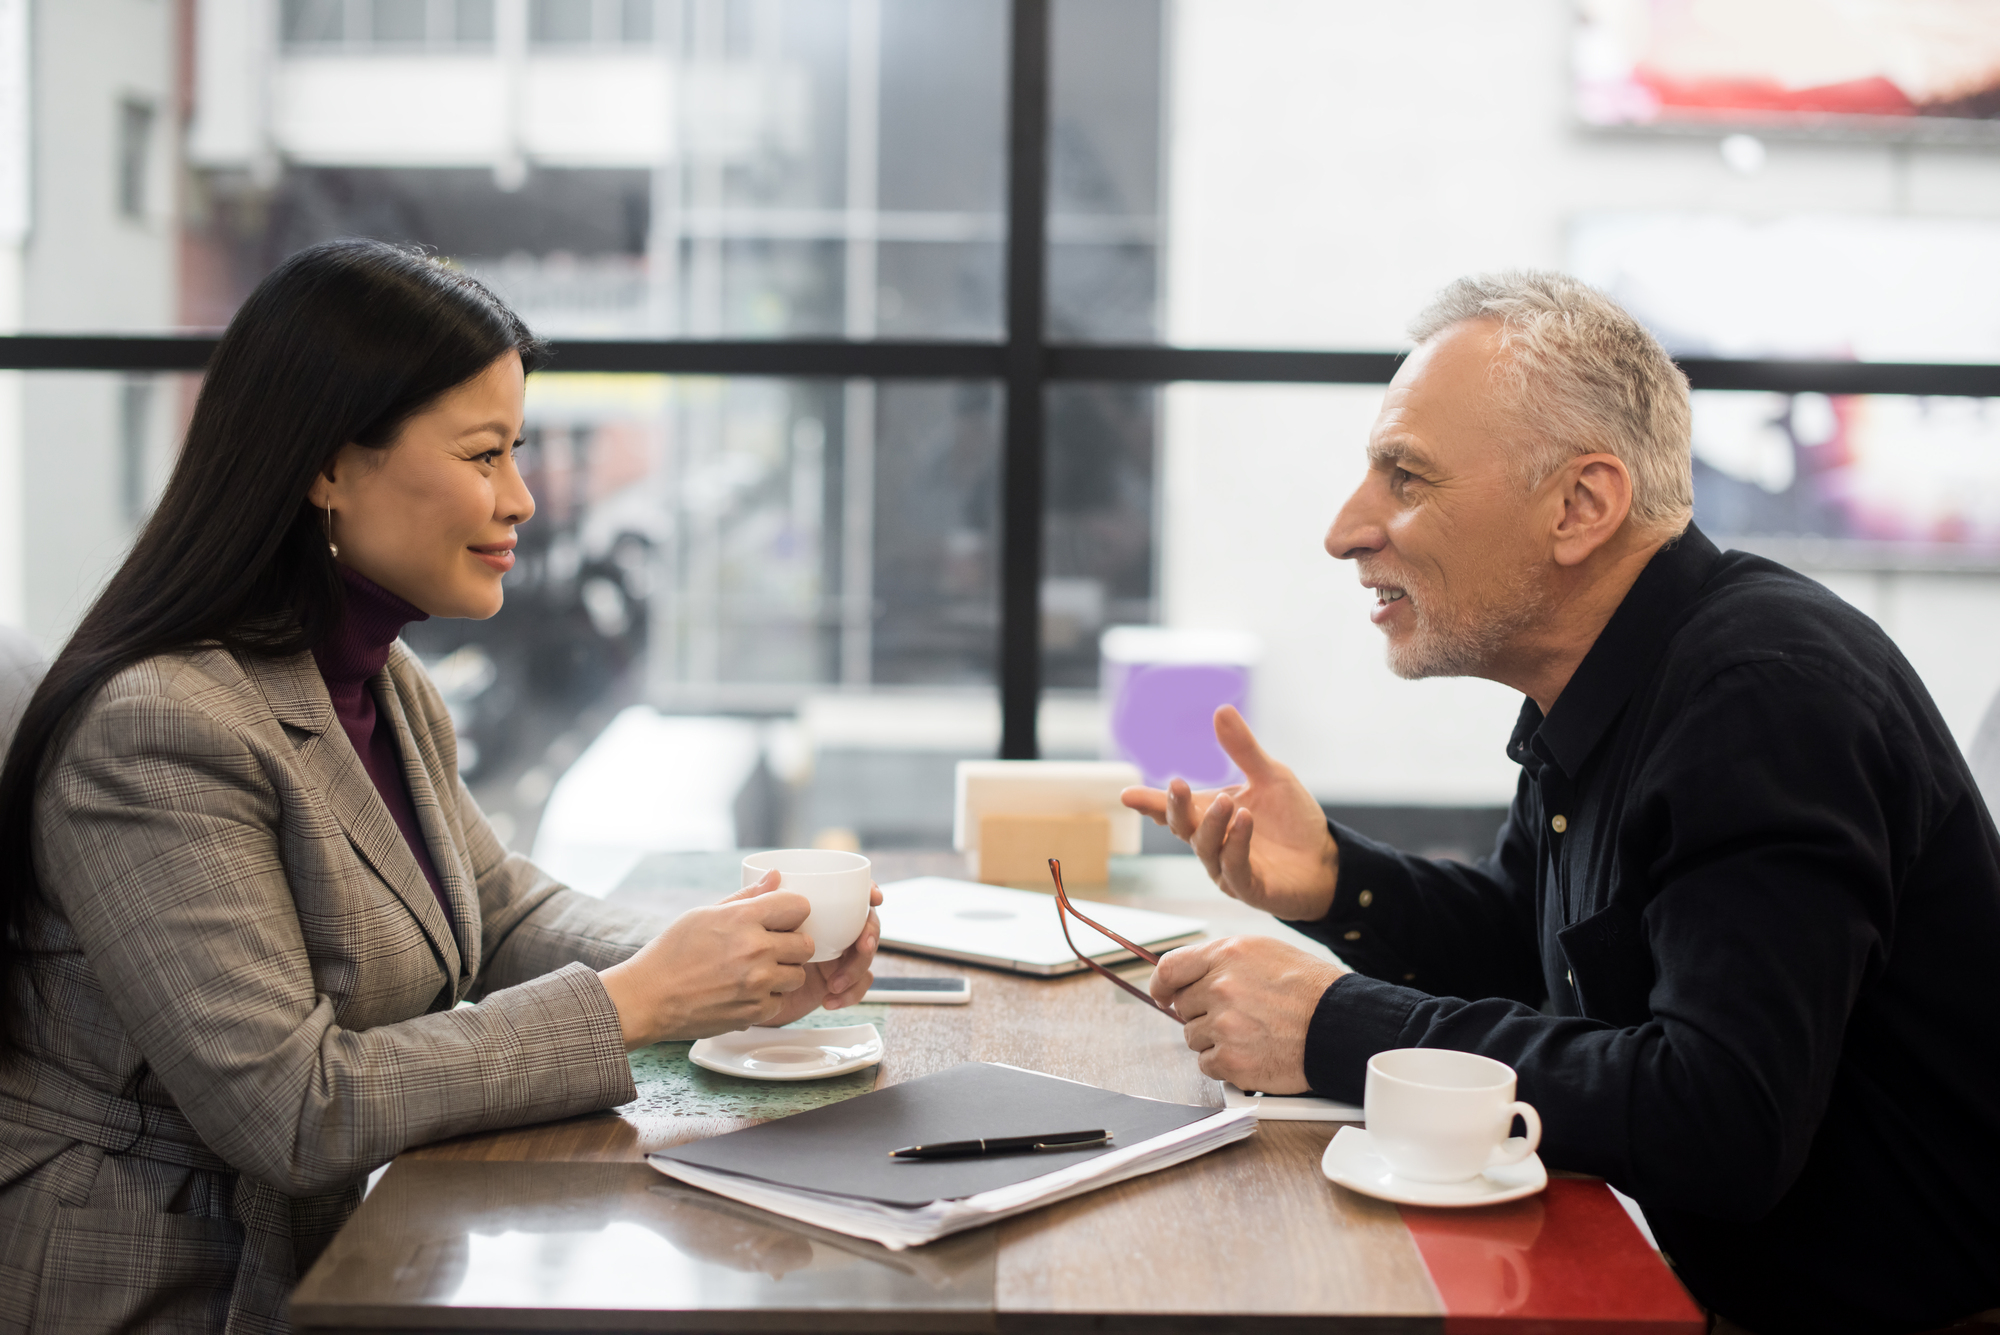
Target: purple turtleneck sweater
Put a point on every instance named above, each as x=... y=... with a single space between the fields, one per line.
x=349 y=660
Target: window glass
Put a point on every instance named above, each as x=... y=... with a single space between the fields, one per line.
x=769 y=560
x=704 y=168
x=1330 y=166
x=775 y=554
x=398 y=21
x=1099 y=561
x=808 y=565
x=98 y=449
x=1105 y=151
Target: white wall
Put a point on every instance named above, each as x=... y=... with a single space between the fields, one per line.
x=87 y=268
x=1334 y=162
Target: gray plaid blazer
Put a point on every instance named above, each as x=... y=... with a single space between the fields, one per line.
x=243 y=995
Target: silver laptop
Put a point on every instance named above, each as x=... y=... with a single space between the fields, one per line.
x=1015 y=929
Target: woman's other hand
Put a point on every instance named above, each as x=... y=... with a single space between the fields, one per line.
x=721 y=968
x=838 y=982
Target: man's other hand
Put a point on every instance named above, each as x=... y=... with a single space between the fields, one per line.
x=1247 y=1001
x=1291 y=868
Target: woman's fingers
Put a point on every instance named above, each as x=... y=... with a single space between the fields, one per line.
x=857 y=957
x=779 y=910
x=765 y=883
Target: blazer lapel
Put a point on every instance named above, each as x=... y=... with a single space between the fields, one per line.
x=423 y=768
x=298 y=696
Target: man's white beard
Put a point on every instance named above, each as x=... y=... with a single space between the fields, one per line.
x=1460 y=641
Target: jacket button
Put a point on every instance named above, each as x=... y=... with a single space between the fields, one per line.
x=1570 y=975
x=1352 y=936
x=1365 y=898
x=1558 y=823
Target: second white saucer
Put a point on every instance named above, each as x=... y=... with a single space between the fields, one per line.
x=789 y=1054
x=1352 y=1160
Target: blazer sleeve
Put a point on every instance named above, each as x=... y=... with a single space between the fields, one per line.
x=531 y=924
x=157 y=837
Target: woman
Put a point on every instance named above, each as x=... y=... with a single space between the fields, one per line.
x=244 y=888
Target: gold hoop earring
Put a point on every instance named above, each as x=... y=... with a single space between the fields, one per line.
x=332 y=547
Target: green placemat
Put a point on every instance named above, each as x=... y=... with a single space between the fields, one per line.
x=671 y=1084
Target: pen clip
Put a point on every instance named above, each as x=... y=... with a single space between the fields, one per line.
x=1072 y=1144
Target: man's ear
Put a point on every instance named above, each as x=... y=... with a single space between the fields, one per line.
x=1596 y=495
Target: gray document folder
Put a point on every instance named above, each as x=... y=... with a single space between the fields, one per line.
x=843 y=1149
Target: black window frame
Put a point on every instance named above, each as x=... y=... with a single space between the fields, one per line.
x=1025 y=362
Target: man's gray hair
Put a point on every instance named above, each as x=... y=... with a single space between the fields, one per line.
x=1582 y=377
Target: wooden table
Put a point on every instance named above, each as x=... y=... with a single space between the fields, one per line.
x=563 y=1226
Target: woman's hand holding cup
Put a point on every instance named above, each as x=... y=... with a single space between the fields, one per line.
x=750 y=960
x=723 y=967
x=843 y=924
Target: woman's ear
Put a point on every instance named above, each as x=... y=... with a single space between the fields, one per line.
x=325 y=490
x=321 y=494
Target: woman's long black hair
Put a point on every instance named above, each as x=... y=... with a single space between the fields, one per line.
x=343 y=342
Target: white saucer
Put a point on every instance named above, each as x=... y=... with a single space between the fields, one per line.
x=790 y=1054
x=1351 y=1160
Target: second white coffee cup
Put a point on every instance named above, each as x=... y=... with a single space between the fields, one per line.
x=1436 y=1115
x=835 y=883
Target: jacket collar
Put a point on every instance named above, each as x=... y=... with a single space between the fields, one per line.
x=424 y=771
x=298 y=696
x=294 y=690
x=1624 y=654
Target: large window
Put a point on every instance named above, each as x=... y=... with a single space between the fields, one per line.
x=895 y=340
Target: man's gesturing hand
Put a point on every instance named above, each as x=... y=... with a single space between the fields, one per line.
x=1248 y=1001
x=1290 y=870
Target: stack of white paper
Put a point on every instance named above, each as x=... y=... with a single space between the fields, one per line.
x=897 y=1227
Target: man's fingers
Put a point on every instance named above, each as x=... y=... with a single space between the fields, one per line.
x=1176 y=970
x=1180 y=809
x=1237 y=879
x=1147 y=801
x=1241 y=744
x=1207 y=840
x=1200 y=1035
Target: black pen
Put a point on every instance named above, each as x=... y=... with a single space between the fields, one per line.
x=965 y=1149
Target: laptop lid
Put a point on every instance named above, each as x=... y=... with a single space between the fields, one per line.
x=1017 y=930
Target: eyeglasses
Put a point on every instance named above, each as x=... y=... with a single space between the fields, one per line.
x=1066 y=910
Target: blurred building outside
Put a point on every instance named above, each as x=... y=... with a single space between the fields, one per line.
x=794 y=581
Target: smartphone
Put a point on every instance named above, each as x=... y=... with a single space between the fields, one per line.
x=922 y=991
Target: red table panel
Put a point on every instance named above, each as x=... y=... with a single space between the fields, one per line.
x=1566 y=1262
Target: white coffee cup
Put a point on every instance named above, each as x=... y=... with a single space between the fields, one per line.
x=1436 y=1115
x=835 y=883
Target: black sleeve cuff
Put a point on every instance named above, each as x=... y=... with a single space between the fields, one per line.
x=1363 y=916
x=1356 y=1018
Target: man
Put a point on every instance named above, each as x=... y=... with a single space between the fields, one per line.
x=1739 y=932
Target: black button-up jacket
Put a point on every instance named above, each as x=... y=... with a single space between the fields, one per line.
x=1739 y=937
